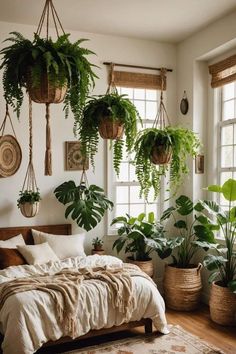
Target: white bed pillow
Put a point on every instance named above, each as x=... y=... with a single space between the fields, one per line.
x=64 y=246
x=37 y=254
x=13 y=242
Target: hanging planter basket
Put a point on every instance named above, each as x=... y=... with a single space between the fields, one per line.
x=161 y=155
x=29 y=210
x=110 y=129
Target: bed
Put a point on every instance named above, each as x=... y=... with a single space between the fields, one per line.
x=30 y=317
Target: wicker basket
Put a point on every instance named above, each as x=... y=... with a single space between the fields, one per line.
x=29 y=210
x=146 y=266
x=46 y=92
x=182 y=287
x=109 y=129
x=160 y=155
x=222 y=305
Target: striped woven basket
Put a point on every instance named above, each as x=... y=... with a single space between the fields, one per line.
x=146 y=266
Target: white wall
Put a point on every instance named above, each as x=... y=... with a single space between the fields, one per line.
x=107 y=48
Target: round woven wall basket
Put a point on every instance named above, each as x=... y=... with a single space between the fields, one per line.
x=182 y=287
x=10 y=155
x=109 y=129
x=160 y=155
x=222 y=305
x=46 y=92
x=29 y=210
x=146 y=266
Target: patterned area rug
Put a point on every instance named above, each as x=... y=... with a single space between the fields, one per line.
x=176 y=342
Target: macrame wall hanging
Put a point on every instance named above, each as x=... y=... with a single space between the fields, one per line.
x=10 y=151
x=29 y=188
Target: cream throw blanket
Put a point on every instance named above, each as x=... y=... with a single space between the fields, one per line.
x=64 y=287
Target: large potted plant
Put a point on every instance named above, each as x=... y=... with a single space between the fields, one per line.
x=49 y=70
x=114 y=117
x=222 y=264
x=28 y=202
x=161 y=150
x=182 y=278
x=139 y=237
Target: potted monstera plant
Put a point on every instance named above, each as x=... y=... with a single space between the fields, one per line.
x=51 y=71
x=28 y=202
x=114 y=117
x=222 y=263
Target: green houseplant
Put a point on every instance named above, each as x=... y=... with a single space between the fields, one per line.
x=175 y=144
x=28 y=202
x=138 y=236
x=65 y=65
x=109 y=115
x=222 y=264
x=97 y=244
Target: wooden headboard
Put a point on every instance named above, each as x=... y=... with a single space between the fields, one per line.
x=25 y=231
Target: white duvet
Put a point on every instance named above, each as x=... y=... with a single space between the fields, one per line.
x=28 y=319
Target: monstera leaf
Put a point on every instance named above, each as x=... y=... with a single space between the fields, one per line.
x=86 y=205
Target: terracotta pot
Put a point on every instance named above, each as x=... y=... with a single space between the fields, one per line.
x=98 y=248
x=222 y=305
x=109 y=129
x=182 y=287
x=29 y=210
x=146 y=266
x=99 y=252
x=160 y=155
x=46 y=92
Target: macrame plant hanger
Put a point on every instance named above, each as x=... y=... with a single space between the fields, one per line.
x=45 y=17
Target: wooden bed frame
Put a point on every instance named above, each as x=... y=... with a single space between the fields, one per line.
x=65 y=229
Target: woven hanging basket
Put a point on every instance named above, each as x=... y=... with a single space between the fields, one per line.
x=46 y=92
x=29 y=210
x=109 y=129
x=10 y=155
x=182 y=287
x=161 y=155
x=146 y=266
x=222 y=305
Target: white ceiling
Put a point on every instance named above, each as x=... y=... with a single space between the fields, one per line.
x=161 y=20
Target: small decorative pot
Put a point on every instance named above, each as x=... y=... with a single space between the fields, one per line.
x=161 y=155
x=29 y=210
x=182 y=287
x=109 y=129
x=98 y=247
x=146 y=266
x=222 y=305
x=100 y=252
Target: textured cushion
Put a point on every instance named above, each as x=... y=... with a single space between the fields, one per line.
x=10 y=257
x=13 y=242
x=37 y=254
x=64 y=246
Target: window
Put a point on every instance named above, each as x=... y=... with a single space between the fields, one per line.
x=124 y=191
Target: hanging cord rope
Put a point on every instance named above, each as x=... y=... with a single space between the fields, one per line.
x=111 y=86
x=48 y=153
x=45 y=17
x=30 y=183
x=7 y=115
x=162 y=119
x=84 y=178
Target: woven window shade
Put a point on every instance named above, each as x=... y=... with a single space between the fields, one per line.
x=139 y=80
x=223 y=72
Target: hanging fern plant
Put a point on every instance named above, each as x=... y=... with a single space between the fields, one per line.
x=113 y=108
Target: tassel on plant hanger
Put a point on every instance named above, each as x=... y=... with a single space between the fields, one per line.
x=48 y=152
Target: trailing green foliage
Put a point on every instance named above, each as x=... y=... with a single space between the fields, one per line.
x=28 y=196
x=138 y=236
x=87 y=205
x=183 y=143
x=222 y=263
x=194 y=231
x=117 y=108
x=63 y=61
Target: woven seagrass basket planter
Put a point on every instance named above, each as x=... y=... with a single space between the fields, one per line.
x=109 y=129
x=182 y=287
x=29 y=210
x=146 y=266
x=160 y=155
x=46 y=92
x=222 y=305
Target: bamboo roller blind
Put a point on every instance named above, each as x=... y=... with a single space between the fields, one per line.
x=223 y=72
x=139 y=80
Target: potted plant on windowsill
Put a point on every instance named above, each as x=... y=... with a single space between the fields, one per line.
x=97 y=244
x=138 y=237
x=28 y=202
x=114 y=117
x=222 y=264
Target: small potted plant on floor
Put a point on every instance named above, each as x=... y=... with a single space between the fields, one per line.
x=139 y=237
x=97 y=244
x=222 y=263
x=28 y=202
x=114 y=117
